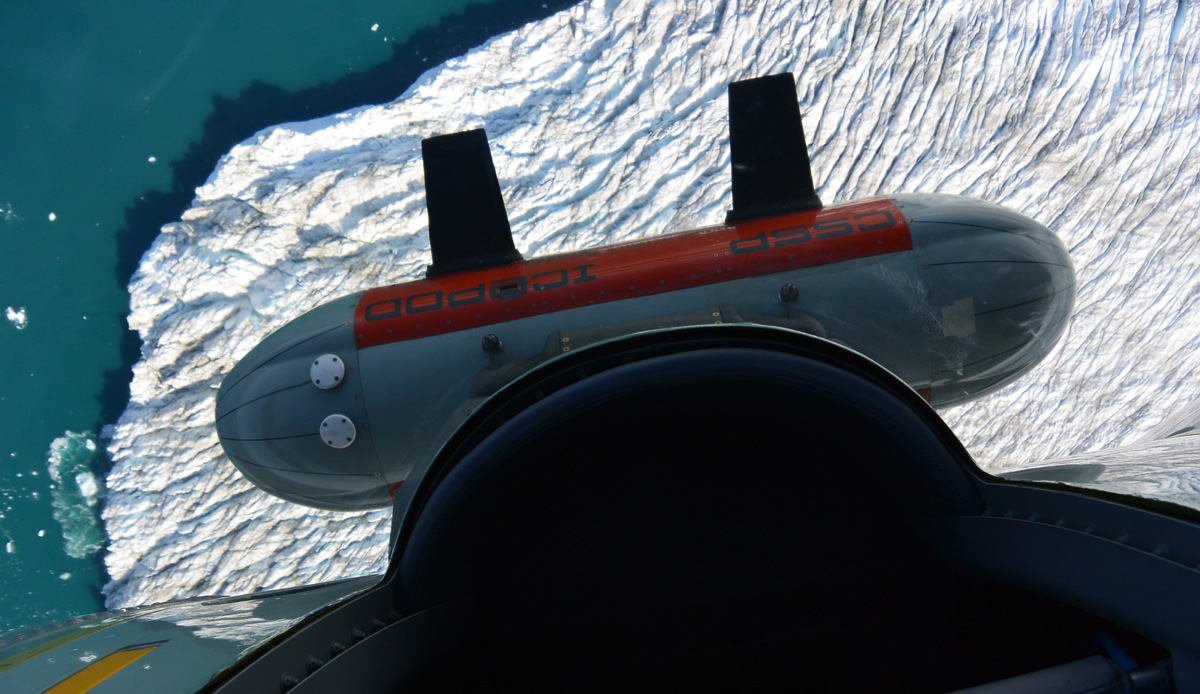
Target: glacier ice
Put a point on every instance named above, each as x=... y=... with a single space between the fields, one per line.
x=607 y=122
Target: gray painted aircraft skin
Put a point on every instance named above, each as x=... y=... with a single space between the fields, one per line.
x=179 y=646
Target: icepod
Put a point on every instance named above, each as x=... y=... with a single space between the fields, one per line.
x=955 y=296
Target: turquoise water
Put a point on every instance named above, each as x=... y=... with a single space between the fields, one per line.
x=110 y=115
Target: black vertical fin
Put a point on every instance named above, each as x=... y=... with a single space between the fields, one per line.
x=769 y=155
x=468 y=227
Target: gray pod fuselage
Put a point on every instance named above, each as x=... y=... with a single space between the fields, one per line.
x=955 y=296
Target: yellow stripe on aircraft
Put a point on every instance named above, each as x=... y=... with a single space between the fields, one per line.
x=101 y=670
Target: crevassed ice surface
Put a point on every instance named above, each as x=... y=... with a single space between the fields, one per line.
x=608 y=122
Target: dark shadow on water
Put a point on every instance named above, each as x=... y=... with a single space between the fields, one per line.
x=262 y=105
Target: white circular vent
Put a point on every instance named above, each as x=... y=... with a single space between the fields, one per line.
x=327 y=371
x=337 y=430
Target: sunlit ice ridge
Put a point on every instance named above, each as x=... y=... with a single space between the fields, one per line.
x=606 y=123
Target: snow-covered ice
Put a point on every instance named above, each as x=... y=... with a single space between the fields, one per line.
x=607 y=122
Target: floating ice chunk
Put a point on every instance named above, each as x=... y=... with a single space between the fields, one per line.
x=10 y=547
x=152 y=159
x=76 y=492
x=41 y=533
x=53 y=216
x=7 y=213
x=17 y=317
x=374 y=27
x=87 y=486
x=65 y=575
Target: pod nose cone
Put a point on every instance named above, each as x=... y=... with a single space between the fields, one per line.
x=1000 y=288
x=291 y=416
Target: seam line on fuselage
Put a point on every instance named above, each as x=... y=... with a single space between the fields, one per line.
x=276 y=356
x=997 y=354
x=1031 y=301
x=1006 y=262
x=273 y=438
x=264 y=395
x=305 y=472
x=1024 y=235
x=984 y=226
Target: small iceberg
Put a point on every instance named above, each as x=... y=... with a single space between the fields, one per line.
x=17 y=317
x=76 y=492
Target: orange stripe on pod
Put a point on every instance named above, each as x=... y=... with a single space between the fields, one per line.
x=645 y=267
